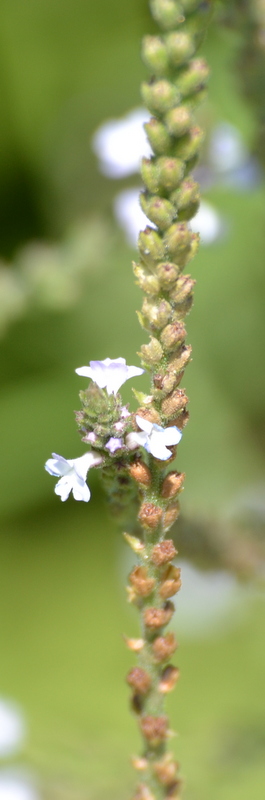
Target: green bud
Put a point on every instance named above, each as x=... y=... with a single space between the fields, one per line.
x=167 y=13
x=180 y=47
x=172 y=336
x=160 y=96
x=159 y=210
x=189 y=145
x=157 y=314
x=151 y=246
x=179 y=120
x=151 y=353
x=167 y=274
x=158 y=136
x=146 y=280
x=194 y=77
x=154 y=53
x=149 y=173
x=187 y=199
x=182 y=295
x=177 y=240
x=170 y=172
x=195 y=243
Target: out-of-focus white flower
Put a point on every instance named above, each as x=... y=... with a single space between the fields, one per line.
x=153 y=438
x=121 y=143
x=207 y=222
x=129 y=214
x=12 y=728
x=73 y=472
x=227 y=150
x=110 y=373
x=16 y=787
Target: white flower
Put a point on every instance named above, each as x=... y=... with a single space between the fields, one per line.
x=73 y=473
x=207 y=222
x=129 y=214
x=113 y=445
x=14 y=786
x=110 y=373
x=120 y=144
x=12 y=728
x=155 y=439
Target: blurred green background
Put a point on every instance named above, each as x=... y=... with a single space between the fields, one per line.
x=66 y=67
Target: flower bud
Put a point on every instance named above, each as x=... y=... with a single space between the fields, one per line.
x=166 y=769
x=164 y=647
x=140 y=473
x=155 y=618
x=154 y=54
x=149 y=173
x=174 y=403
x=194 y=77
x=178 y=362
x=189 y=145
x=172 y=485
x=180 y=47
x=169 y=679
x=173 y=791
x=151 y=246
x=158 y=136
x=164 y=384
x=150 y=516
x=177 y=240
x=136 y=645
x=172 y=336
x=157 y=314
x=163 y=552
x=154 y=729
x=179 y=120
x=187 y=195
x=143 y=793
x=170 y=516
x=139 y=680
x=181 y=419
x=168 y=13
x=146 y=280
x=151 y=353
x=148 y=413
x=171 y=582
x=167 y=274
x=142 y=585
x=159 y=210
x=159 y=96
x=170 y=172
x=135 y=543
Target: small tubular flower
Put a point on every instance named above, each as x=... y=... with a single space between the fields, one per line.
x=154 y=438
x=72 y=473
x=114 y=444
x=109 y=374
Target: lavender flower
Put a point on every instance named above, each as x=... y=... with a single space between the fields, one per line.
x=154 y=438
x=73 y=474
x=114 y=444
x=110 y=373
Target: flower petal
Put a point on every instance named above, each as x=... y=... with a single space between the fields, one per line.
x=64 y=487
x=114 y=444
x=81 y=491
x=172 y=435
x=144 y=424
x=82 y=465
x=135 y=439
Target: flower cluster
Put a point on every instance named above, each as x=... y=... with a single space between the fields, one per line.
x=110 y=375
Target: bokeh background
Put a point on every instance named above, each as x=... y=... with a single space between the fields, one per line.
x=67 y=296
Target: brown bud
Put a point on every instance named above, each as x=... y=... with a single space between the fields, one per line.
x=175 y=402
x=164 y=647
x=158 y=617
x=140 y=473
x=182 y=290
x=136 y=645
x=142 y=585
x=137 y=703
x=171 y=582
x=154 y=729
x=163 y=552
x=166 y=769
x=180 y=360
x=139 y=763
x=173 y=791
x=172 y=484
x=169 y=678
x=139 y=680
x=143 y=793
x=173 y=335
x=151 y=353
x=170 y=516
x=181 y=419
x=150 y=515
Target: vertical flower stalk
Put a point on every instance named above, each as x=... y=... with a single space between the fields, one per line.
x=170 y=199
